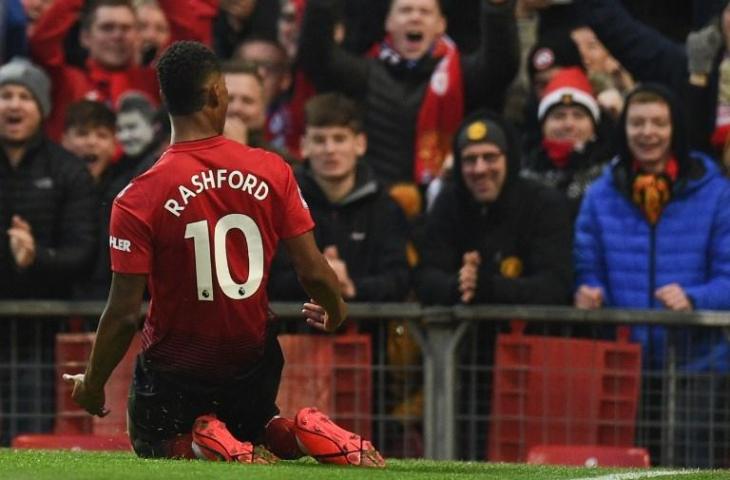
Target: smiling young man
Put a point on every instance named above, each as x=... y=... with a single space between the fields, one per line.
x=654 y=232
x=654 y=188
x=361 y=231
x=109 y=32
x=575 y=144
x=416 y=85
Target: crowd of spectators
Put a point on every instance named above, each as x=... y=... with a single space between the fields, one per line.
x=450 y=151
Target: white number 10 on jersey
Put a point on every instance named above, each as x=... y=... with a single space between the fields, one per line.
x=198 y=231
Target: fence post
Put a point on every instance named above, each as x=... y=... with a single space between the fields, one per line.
x=670 y=395
x=439 y=336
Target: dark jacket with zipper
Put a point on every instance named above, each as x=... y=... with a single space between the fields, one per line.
x=392 y=95
x=523 y=238
x=369 y=231
x=582 y=168
x=115 y=179
x=53 y=191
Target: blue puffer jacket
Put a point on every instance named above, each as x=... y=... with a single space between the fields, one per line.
x=617 y=250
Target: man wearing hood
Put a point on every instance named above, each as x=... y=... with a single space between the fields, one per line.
x=361 y=231
x=654 y=232
x=491 y=236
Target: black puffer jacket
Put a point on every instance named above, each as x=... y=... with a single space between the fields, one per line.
x=392 y=95
x=52 y=190
x=116 y=178
x=523 y=238
x=369 y=231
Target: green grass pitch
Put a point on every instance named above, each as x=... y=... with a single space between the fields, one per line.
x=61 y=465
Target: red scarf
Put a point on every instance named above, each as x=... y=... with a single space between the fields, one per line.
x=558 y=151
x=652 y=191
x=441 y=111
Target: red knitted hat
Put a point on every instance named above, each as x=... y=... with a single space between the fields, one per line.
x=569 y=86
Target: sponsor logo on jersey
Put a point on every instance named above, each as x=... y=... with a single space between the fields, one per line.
x=120 y=244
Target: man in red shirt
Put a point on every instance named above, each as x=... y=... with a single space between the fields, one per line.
x=200 y=229
x=110 y=35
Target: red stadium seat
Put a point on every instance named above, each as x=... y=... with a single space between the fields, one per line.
x=332 y=373
x=562 y=391
x=589 y=456
x=73 y=442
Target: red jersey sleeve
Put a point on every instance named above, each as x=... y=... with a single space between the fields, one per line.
x=295 y=218
x=130 y=240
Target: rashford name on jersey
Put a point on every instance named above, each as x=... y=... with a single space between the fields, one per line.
x=212 y=179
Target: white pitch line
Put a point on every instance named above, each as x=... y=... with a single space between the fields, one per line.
x=638 y=475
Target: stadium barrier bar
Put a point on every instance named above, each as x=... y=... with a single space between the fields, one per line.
x=437 y=330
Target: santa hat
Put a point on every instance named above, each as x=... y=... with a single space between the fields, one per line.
x=569 y=86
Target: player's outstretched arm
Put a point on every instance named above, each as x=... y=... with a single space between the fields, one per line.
x=117 y=327
x=319 y=281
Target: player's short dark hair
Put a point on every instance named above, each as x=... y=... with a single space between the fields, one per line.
x=89 y=13
x=89 y=114
x=242 y=67
x=182 y=72
x=333 y=110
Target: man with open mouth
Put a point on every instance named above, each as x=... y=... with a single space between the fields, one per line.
x=47 y=225
x=416 y=85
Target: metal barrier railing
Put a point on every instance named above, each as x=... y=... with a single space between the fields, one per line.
x=439 y=331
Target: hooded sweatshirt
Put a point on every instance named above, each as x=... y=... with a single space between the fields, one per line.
x=370 y=233
x=523 y=238
x=618 y=250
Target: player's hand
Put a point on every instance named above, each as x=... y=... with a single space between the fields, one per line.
x=469 y=275
x=317 y=317
x=588 y=298
x=674 y=298
x=22 y=243
x=89 y=399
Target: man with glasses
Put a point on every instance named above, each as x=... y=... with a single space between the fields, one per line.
x=492 y=237
x=110 y=35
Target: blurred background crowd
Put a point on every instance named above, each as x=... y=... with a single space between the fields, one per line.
x=379 y=103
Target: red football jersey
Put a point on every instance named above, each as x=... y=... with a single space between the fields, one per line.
x=203 y=223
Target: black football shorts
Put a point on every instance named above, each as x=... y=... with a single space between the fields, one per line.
x=162 y=405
